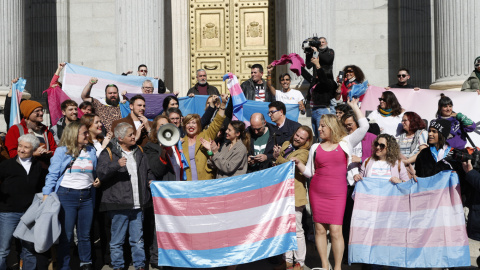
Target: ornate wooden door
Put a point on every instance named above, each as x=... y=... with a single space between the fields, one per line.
x=230 y=36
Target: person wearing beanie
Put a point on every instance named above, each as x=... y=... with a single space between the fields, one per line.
x=460 y=123
x=472 y=84
x=431 y=160
x=31 y=123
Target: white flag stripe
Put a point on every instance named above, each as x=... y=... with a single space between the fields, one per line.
x=225 y=221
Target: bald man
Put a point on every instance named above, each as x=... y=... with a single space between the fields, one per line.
x=261 y=143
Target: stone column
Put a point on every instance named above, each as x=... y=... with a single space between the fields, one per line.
x=12 y=43
x=457 y=39
x=140 y=36
x=296 y=22
x=180 y=43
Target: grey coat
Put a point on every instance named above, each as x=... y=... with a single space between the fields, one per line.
x=472 y=84
x=230 y=162
x=40 y=224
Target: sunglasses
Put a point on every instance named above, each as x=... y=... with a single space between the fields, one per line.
x=381 y=145
x=401 y=75
x=144 y=70
x=350 y=71
x=272 y=112
x=381 y=99
x=477 y=65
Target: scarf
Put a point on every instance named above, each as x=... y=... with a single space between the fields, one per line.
x=385 y=113
x=440 y=153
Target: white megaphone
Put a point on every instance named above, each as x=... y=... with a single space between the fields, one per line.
x=168 y=135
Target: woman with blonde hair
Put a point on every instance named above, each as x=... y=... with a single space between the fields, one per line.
x=71 y=175
x=327 y=165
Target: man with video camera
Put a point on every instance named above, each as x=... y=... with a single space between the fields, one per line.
x=324 y=53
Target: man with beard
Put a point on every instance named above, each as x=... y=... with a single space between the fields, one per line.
x=70 y=114
x=202 y=87
x=136 y=118
x=109 y=112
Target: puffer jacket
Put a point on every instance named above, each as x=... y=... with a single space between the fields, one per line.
x=115 y=180
x=472 y=84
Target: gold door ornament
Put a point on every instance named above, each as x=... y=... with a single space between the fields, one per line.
x=210 y=31
x=254 y=29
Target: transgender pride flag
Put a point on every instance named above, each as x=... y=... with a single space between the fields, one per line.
x=237 y=95
x=412 y=224
x=228 y=221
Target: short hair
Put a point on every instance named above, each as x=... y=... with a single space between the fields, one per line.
x=279 y=106
x=323 y=38
x=260 y=67
x=31 y=139
x=200 y=69
x=146 y=81
x=416 y=122
x=283 y=75
x=70 y=138
x=349 y=114
x=392 y=103
x=110 y=85
x=345 y=108
x=67 y=103
x=152 y=136
x=196 y=117
x=120 y=130
x=309 y=142
x=359 y=76
x=134 y=98
x=142 y=65
x=174 y=110
x=337 y=131
x=442 y=102
x=393 y=150
x=404 y=69
x=86 y=104
x=167 y=100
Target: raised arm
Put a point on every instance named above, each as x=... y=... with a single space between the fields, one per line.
x=88 y=88
x=269 y=80
x=358 y=135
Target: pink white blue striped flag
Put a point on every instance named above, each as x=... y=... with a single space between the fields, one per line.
x=227 y=221
x=17 y=92
x=237 y=95
x=411 y=224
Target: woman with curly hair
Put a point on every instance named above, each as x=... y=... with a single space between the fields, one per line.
x=413 y=138
x=353 y=75
x=384 y=162
x=389 y=114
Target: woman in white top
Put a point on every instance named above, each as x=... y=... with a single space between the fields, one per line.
x=388 y=114
x=71 y=175
x=94 y=127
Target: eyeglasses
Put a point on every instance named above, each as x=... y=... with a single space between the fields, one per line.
x=381 y=145
x=350 y=71
x=402 y=75
x=143 y=70
x=381 y=99
x=147 y=88
x=272 y=112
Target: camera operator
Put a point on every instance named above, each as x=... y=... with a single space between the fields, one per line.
x=473 y=223
x=324 y=54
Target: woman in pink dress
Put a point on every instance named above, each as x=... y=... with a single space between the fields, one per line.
x=327 y=165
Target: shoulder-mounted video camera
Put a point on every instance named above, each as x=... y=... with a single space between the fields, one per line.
x=463 y=155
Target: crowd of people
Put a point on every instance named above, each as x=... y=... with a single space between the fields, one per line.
x=98 y=168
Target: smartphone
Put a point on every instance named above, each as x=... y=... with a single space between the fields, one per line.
x=315 y=54
x=341 y=74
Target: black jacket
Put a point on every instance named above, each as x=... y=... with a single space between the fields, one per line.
x=211 y=90
x=425 y=164
x=326 y=57
x=248 y=88
x=408 y=86
x=325 y=86
x=160 y=170
x=17 y=188
x=115 y=180
x=473 y=224
x=285 y=133
x=268 y=150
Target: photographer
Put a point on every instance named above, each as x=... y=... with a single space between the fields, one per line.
x=324 y=54
x=473 y=223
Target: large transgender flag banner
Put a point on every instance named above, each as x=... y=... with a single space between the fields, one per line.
x=230 y=221
x=411 y=224
x=76 y=77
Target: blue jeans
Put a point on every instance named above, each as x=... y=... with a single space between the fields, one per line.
x=76 y=209
x=8 y=223
x=121 y=221
x=316 y=115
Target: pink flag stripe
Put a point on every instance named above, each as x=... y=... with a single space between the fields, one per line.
x=217 y=205
x=431 y=199
x=416 y=238
x=235 y=90
x=227 y=238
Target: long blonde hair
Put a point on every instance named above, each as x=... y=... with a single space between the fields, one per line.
x=337 y=130
x=70 y=138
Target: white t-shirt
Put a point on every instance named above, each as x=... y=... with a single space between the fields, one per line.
x=80 y=175
x=291 y=97
x=388 y=125
x=380 y=169
x=353 y=168
x=137 y=124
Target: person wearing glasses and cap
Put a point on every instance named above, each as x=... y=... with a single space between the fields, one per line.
x=403 y=75
x=472 y=84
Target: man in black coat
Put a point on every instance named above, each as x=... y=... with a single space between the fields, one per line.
x=255 y=88
x=202 y=87
x=284 y=128
x=260 y=154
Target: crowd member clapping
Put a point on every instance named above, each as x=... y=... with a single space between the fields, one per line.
x=297 y=149
x=94 y=127
x=20 y=178
x=413 y=137
x=385 y=162
x=460 y=123
x=389 y=114
x=195 y=154
x=231 y=158
x=327 y=165
x=71 y=175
